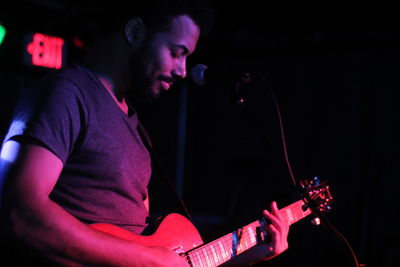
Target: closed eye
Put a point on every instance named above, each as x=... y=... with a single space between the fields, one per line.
x=174 y=55
x=178 y=51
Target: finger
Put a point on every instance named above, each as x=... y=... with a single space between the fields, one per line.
x=273 y=219
x=274 y=206
x=282 y=221
x=275 y=210
x=279 y=224
x=277 y=243
x=275 y=236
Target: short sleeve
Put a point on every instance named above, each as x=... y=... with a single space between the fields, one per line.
x=51 y=113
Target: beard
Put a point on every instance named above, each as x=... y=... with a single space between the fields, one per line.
x=142 y=85
x=143 y=90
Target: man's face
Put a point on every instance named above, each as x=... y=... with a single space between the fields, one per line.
x=163 y=60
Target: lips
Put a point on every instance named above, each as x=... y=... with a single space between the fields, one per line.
x=165 y=85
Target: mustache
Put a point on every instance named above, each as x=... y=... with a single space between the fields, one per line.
x=168 y=79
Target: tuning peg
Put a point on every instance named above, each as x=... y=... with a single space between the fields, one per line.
x=303 y=184
x=328 y=208
x=316 y=221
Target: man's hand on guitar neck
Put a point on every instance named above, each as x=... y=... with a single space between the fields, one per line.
x=278 y=230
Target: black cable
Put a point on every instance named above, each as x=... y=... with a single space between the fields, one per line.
x=324 y=220
x=171 y=184
x=147 y=142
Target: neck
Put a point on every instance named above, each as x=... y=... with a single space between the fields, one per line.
x=108 y=59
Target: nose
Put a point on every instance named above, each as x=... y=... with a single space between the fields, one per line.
x=179 y=71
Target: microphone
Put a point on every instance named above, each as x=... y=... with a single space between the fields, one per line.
x=201 y=74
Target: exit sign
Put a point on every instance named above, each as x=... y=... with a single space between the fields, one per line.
x=43 y=50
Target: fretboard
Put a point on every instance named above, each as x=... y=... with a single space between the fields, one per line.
x=234 y=243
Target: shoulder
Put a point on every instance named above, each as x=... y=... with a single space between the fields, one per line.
x=64 y=87
x=60 y=81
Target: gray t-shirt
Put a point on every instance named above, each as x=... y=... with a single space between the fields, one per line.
x=106 y=165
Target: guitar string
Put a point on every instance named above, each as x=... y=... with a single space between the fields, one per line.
x=226 y=242
x=200 y=252
x=296 y=210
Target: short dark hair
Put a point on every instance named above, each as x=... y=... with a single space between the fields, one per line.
x=155 y=14
x=159 y=16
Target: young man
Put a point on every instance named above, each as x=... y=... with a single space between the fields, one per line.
x=74 y=154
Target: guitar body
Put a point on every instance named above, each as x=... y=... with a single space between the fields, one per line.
x=174 y=232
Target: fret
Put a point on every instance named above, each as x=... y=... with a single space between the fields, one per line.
x=294 y=212
x=215 y=252
x=196 y=261
x=191 y=259
x=228 y=247
x=202 y=259
x=215 y=257
x=207 y=258
x=211 y=256
x=219 y=253
x=249 y=237
x=231 y=252
x=297 y=214
x=253 y=238
x=223 y=251
x=199 y=259
x=289 y=215
x=245 y=244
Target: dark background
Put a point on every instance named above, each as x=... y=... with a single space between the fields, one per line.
x=335 y=74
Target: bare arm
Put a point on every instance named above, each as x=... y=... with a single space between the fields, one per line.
x=45 y=226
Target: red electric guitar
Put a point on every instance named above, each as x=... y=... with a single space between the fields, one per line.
x=180 y=235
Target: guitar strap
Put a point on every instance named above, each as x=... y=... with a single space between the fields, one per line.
x=158 y=164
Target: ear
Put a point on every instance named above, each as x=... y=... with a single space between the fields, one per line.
x=134 y=31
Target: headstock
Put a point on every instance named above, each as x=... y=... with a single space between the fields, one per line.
x=317 y=193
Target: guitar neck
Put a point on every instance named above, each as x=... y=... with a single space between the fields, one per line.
x=236 y=242
x=295 y=212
